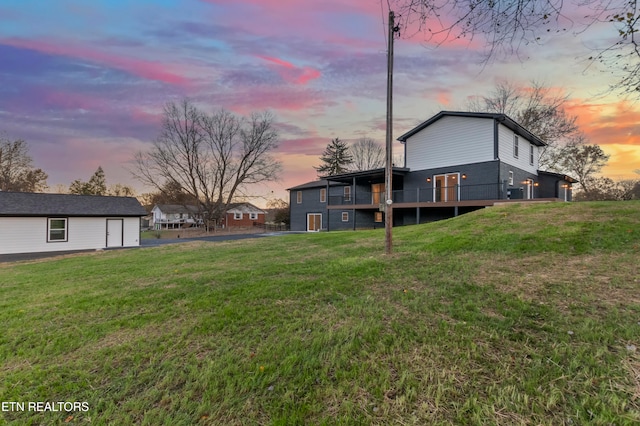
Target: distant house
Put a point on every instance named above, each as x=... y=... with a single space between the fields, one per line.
x=31 y=222
x=244 y=215
x=455 y=162
x=172 y=216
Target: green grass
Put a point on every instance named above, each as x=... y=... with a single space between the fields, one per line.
x=511 y=315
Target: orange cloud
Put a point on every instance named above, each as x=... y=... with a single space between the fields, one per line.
x=609 y=123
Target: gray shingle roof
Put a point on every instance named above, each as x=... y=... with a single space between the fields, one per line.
x=35 y=204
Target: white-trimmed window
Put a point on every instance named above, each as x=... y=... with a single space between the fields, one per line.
x=57 y=229
x=345 y=216
x=299 y=197
x=253 y=216
x=323 y=195
x=516 y=148
x=347 y=193
x=237 y=216
x=531 y=151
x=510 y=178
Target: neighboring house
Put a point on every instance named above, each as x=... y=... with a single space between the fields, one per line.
x=31 y=223
x=244 y=215
x=455 y=162
x=173 y=216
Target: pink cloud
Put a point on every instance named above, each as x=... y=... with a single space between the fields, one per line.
x=145 y=69
x=292 y=74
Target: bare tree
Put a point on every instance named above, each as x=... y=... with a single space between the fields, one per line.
x=366 y=154
x=506 y=25
x=538 y=109
x=16 y=172
x=584 y=162
x=209 y=157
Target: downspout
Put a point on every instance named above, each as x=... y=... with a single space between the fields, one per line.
x=327 y=207
x=496 y=156
x=353 y=200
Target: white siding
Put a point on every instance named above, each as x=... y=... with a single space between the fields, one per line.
x=451 y=141
x=505 y=151
x=29 y=234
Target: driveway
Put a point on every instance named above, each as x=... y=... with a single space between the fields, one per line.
x=147 y=242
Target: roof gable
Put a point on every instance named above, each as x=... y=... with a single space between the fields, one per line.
x=501 y=118
x=244 y=208
x=39 y=204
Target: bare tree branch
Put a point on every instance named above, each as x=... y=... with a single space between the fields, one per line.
x=209 y=157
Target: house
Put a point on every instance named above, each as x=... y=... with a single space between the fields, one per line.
x=31 y=222
x=455 y=162
x=172 y=216
x=243 y=215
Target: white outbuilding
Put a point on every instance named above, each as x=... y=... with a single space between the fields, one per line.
x=35 y=222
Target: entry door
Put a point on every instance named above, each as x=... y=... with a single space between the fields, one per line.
x=529 y=189
x=114 y=232
x=314 y=222
x=446 y=188
x=377 y=193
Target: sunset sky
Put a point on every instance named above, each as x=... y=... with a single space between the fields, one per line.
x=84 y=82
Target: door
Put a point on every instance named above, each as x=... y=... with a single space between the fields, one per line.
x=529 y=189
x=377 y=193
x=115 y=228
x=446 y=187
x=314 y=222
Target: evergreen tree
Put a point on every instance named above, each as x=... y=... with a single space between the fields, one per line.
x=97 y=185
x=335 y=159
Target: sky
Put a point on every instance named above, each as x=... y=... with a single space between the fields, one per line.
x=84 y=83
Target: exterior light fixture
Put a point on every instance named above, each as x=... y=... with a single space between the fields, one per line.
x=428 y=179
x=464 y=176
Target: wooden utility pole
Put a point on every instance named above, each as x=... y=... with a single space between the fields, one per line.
x=388 y=172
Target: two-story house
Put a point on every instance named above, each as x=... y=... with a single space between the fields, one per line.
x=455 y=162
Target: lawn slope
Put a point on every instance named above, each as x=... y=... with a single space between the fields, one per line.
x=518 y=314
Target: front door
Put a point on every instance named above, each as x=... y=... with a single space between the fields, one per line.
x=314 y=222
x=114 y=232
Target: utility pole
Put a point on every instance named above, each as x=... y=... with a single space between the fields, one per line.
x=388 y=172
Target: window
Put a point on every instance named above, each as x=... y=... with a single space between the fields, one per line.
x=345 y=216
x=347 y=193
x=515 y=146
x=323 y=195
x=57 y=230
x=531 y=154
x=378 y=217
x=253 y=216
x=510 y=178
x=237 y=216
x=299 y=197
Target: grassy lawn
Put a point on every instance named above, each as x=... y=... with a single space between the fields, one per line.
x=512 y=315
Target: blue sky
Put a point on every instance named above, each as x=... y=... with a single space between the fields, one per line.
x=84 y=83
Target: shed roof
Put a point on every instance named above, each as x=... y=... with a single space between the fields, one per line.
x=39 y=204
x=502 y=118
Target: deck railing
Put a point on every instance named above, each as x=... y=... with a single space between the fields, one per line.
x=428 y=194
